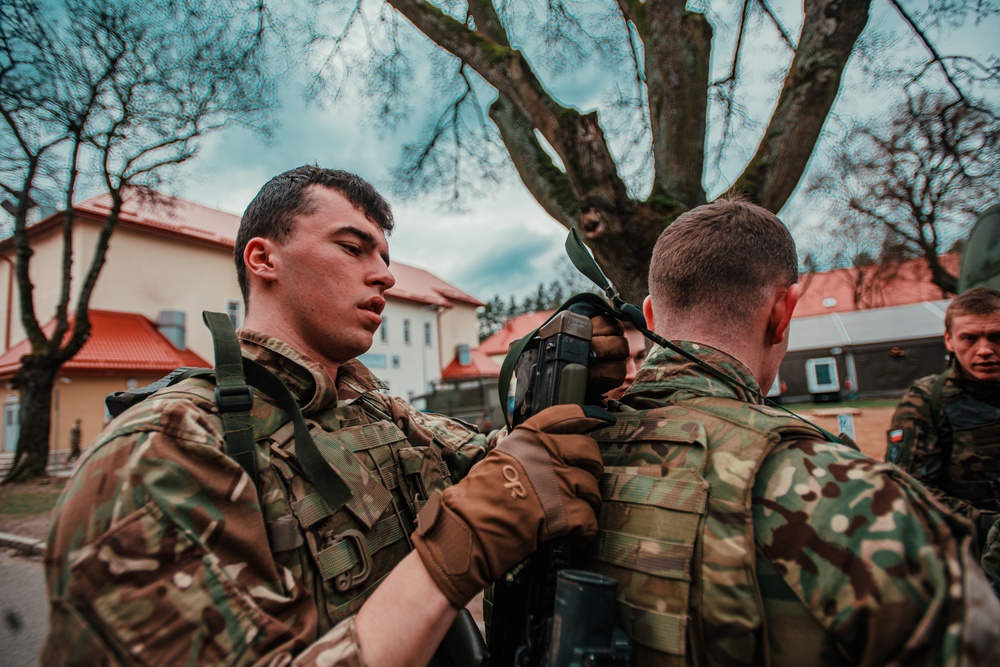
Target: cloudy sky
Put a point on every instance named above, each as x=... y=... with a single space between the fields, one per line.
x=503 y=242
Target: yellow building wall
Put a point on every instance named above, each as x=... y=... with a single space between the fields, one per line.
x=143 y=273
x=72 y=397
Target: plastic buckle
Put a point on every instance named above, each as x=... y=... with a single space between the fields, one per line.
x=346 y=581
x=234 y=399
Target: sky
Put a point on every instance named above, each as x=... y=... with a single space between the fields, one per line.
x=502 y=243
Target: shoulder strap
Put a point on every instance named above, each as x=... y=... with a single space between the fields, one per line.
x=234 y=397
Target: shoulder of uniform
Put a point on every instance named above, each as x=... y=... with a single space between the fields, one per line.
x=186 y=409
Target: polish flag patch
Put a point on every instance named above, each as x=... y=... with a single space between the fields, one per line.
x=896 y=436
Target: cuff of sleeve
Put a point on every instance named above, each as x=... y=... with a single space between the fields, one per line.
x=445 y=546
x=339 y=647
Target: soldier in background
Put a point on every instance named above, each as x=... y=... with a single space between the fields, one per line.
x=740 y=535
x=75 y=436
x=165 y=550
x=637 y=350
x=946 y=430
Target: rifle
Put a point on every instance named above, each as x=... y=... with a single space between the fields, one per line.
x=528 y=624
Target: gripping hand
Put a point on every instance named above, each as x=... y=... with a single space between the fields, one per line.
x=540 y=482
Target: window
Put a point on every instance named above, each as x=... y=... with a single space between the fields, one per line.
x=427 y=334
x=395 y=361
x=234 y=308
x=406 y=331
x=373 y=360
x=383 y=330
x=821 y=375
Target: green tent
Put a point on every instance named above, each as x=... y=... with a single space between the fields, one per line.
x=981 y=260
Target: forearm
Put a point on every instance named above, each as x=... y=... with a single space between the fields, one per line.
x=405 y=619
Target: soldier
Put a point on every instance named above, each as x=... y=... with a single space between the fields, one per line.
x=75 y=436
x=636 y=355
x=946 y=430
x=164 y=550
x=741 y=535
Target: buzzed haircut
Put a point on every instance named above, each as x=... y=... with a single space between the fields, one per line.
x=978 y=301
x=272 y=213
x=722 y=257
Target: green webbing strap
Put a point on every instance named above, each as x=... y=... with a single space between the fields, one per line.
x=233 y=396
x=237 y=399
x=325 y=478
x=584 y=261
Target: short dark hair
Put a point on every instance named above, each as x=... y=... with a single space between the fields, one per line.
x=976 y=301
x=722 y=257
x=272 y=213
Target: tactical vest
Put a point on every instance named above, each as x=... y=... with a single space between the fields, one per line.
x=970 y=433
x=676 y=528
x=338 y=492
x=340 y=556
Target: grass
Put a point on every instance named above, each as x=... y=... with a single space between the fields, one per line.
x=28 y=499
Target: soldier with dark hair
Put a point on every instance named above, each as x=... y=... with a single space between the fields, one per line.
x=741 y=535
x=166 y=550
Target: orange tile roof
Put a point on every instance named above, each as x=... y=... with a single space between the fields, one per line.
x=119 y=343
x=912 y=284
x=480 y=366
x=415 y=284
x=177 y=216
x=170 y=214
x=513 y=329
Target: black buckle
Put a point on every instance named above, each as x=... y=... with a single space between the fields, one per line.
x=234 y=399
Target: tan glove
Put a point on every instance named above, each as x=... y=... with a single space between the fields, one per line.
x=540 y=482
x=610 y=350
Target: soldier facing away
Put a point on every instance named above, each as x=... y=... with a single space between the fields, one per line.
x=741 y=535
x=164 y=550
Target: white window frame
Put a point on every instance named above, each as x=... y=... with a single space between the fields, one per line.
x=234 y=309
x=816 y=387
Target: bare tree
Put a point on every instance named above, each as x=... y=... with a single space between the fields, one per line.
x=920 y=179
x=107 y=96
x=670 y=125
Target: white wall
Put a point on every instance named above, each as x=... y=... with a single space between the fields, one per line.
x=408 y=368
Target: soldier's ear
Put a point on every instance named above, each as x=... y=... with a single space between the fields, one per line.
x=780 y=317
x=259 y=258
x=647 y=311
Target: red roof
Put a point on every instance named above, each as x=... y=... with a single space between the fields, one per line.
x=832 y=291
x=480 y=366
x=119 y=342
x=422 y=286
x=179 y=217
x=513 y=329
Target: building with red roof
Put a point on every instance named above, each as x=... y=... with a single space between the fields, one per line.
x=170 y=259
x=844 y=290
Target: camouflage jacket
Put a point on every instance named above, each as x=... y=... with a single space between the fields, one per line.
x=830 y=558
x=162 y=553
x=954 y=449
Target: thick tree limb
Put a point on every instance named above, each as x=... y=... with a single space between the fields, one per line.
x=576 y=138
x=830 y=30
x=678 y=49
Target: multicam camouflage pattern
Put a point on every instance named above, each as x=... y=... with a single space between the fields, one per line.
x=954 y=447
x=162 y=553
x=740 y=537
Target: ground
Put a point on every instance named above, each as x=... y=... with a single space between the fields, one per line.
x=25 y=506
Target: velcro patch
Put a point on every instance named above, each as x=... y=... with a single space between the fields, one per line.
x=896 y=436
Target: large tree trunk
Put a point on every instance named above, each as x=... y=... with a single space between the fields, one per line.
x=35 y=381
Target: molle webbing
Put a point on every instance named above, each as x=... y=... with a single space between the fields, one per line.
x=676 y=528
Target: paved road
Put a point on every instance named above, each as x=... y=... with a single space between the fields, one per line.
x=23 y=609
